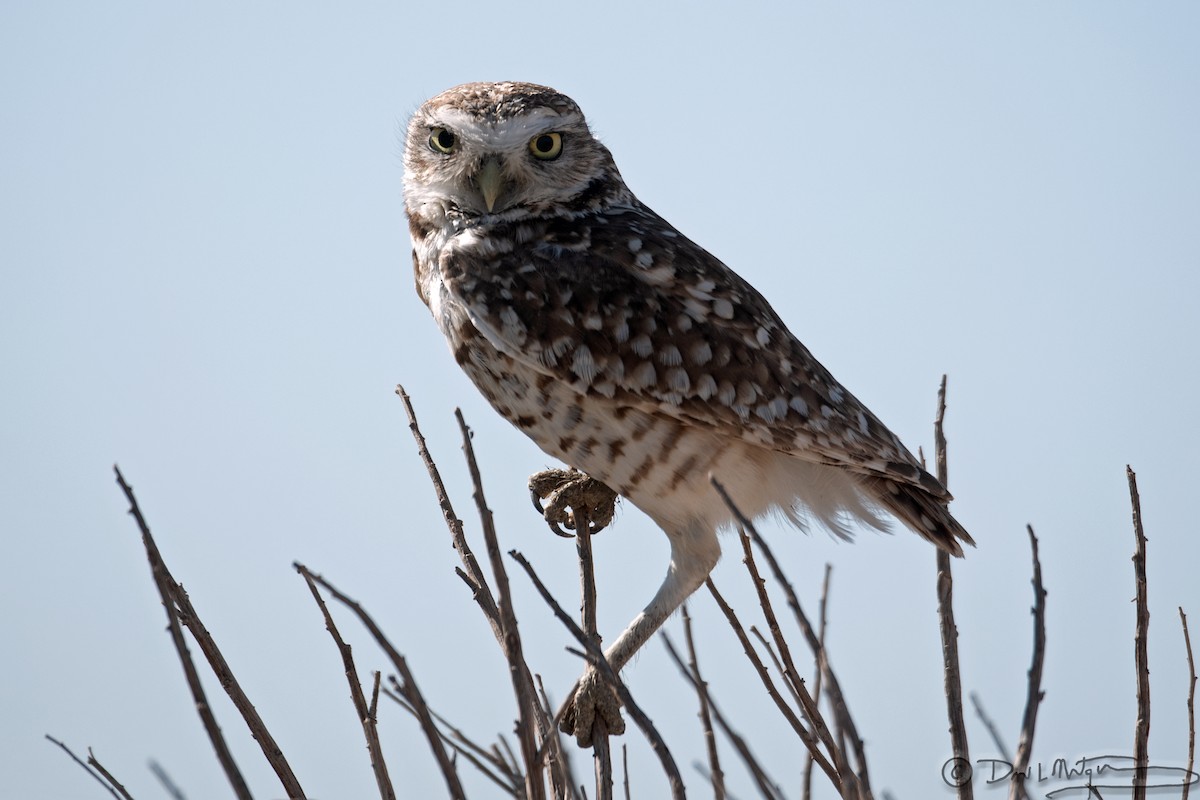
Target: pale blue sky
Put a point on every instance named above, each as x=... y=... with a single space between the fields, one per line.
x=205 y=276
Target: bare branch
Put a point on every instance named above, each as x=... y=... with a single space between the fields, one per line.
x=562 y=782
x=820 y=655
x=165 y=779
x=85 y=767
x=108 y=775
x=625 y=769
x=939 y=437
x=1191 y=704
x=710 y=739
x=805 y=736
x=992 y=730
x=945 y=594
x=408 y=688
x=493 y=767
x=531 y=721
x=365 y=713
x=816 y=643
x=767 y=787
x=179 y=610
x=1035 y=695
x=601 y=750
x=596 y=658
x=473 y=574
x=1141 y=657
x=856 y=783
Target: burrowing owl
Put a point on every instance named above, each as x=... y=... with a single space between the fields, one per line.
x=628 y=351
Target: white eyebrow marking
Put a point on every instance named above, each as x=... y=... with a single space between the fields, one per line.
x=511 y=134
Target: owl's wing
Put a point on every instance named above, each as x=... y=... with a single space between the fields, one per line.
x=622 y=305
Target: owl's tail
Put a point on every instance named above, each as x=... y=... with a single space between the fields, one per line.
x=921 y=511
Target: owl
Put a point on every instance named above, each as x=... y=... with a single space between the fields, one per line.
x=628 y=351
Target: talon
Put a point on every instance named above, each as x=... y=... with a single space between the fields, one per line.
x=537 y=501
x=591 y=700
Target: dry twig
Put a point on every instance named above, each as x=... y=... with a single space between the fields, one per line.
x=366 y=714
x=502 y=619
x=805 y=735
x=494 y=767
x=107 y=775
x=409 y=686
x=990 y=725
x=1141 y=657
x=819 y=654
x=471 y=573
x=601 y=750
x=1191 y=705
x=945 y=594
x=164 y=779
x=595 y=657
x=857 y=782
x=710 y=739
x=1034 y=698
x=625 y=769
x=562 y=782
x=530 y=721
x=179 y=610
x=766 y=785
x=85 y=767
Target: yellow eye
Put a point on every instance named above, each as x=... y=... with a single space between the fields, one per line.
x=546 y=146
x=442 y=140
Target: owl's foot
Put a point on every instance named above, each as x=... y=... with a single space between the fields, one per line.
x=571 y=494
x=593 y=701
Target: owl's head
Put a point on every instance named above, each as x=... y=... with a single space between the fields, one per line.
x=504 y=151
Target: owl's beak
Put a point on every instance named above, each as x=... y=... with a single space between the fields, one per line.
x=490 y=182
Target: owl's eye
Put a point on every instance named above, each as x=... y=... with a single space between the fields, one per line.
x=442 y=140
x=546 y=146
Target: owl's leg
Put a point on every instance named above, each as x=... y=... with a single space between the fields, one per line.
x=695 y=550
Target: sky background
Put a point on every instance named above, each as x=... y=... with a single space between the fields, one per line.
x=205 y=277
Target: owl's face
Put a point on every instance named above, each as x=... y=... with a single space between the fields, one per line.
x=502 y=151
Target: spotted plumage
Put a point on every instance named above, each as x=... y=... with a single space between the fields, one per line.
x=627 y=350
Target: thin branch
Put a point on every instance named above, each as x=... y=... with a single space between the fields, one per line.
x=531 y=721
x=992 y=730
x=807 y=706
x=562 y=782
x=949 y=631
x=179 y=610
x=819 y=654
x=108 y=775
x=600 y=663
x=710 y=739
x=473 y=574
x=366 y=714
x=624 y=763
x=601 y=749
x=1191 y=704
x=770 y=648
x=493 y=767
x=805 y=736
x=1141 y=657
x=857 y=783
x=165 y=779
x=767 y=787
x=85 y=767
x=1035 y=695
x=408 y=688
x=939 y=437
x=816 y=643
